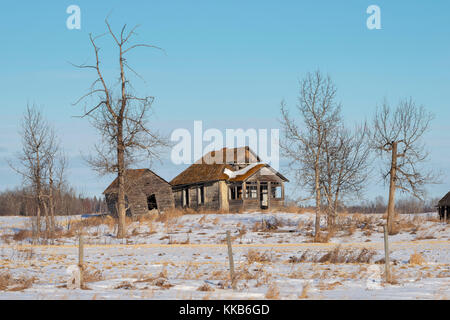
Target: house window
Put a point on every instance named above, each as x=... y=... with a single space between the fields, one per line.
x=276 y=191
x=252 y=191
x=232 y=192
x=201 y=195
x=235 y=192
x=185 y=195
x=239 y=192
x=151 y=202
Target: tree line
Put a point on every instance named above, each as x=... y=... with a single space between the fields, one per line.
x=19 y=202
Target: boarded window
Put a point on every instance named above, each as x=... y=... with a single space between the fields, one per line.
x=151 y=202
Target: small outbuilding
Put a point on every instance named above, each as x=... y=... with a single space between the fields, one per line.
x=145 y=192
x=444 y=207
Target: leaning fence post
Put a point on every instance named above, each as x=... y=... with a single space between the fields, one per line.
x=81 y=257
x=230 y=258
x=386 y=254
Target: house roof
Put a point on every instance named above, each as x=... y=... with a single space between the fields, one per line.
x=230 y=155
x=131 y=176
x=198 y=173
x=445 y=201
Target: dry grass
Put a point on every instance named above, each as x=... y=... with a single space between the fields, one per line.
x=92 y=275
x=273 y=293
x=256 y=256
x=205 y=287
x=169 y=215
x=336 y=255
x=425 y=235
x=417 y=258
x=329 y=286
x=294 y=209
x=405 y=225
x=304 y=293
x=9 y=283
x=267 y=225
x=22 y=235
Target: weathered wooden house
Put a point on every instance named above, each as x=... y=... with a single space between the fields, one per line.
x=229 y=180
x=145 y=191
x=444 y=207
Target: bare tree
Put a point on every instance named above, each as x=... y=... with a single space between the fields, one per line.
x=38 y=148
x=396 y=135
x=56 y=170
x=303 y=143
x=120 y=119
x=345 y=166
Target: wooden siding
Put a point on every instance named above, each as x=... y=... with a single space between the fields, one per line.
x=137 y=192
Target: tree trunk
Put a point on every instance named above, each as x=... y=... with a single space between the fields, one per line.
x=51 y=203
x=392 y=187
x=317 y=186
x=121 y=186
x=47 y=220
x=38 y=222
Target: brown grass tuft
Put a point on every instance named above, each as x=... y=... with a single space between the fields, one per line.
x=22 y=235
x=273 y=293
x=8 y=283
x=304 y=293
x=256 y=256
x=92 y=276
x=417 y=258
x=205 y=287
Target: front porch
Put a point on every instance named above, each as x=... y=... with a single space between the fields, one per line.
x=255 y=195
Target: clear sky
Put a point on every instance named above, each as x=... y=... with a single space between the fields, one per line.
x=228 y=63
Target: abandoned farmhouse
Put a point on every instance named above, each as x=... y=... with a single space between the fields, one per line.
x=227 y=180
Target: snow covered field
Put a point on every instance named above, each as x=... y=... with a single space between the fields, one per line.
x=185 y=257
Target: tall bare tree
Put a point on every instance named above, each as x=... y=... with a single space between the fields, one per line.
x=345 y=166
x=121 y=119
x=303 y=141
x=396 y=135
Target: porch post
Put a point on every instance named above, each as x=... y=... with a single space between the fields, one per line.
x=244 y=190
x=269 y=194
x=258 y=191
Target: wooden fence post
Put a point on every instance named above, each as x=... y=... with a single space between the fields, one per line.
x=386 y=254
x=81 y=258
x=230 y=258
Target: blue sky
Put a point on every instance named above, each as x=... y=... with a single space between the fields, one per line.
x=227 y=63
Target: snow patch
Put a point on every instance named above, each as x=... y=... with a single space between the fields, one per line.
x=234 y=174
